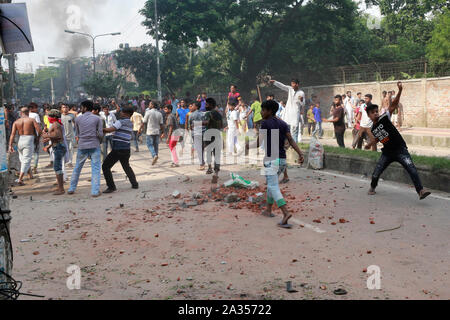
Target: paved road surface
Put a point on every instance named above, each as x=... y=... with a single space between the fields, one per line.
x=142 y=250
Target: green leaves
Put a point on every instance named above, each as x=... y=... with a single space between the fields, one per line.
x=438 y=49
x=103 y=84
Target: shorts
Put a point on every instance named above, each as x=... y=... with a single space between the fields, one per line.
x=257 y=125
x=59 y=152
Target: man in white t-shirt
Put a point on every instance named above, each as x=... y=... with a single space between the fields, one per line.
x=366 y=123
x=232 y=128
x=295 y=104
x=109 y=119
x=349 y=104
x=155 y=127
x=33 y=107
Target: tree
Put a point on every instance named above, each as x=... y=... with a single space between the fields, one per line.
x=251 y=29
x=42 y=81
x=25 y=87
x=408 y=19
x=438 y=49
x=103 y=85
x=141 y=62
x=176 y=62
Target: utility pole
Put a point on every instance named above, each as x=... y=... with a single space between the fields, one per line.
x=12 y=77
x=94 y=60
x=158 y=66
x=68 y=70
x=6 y=263
x=68 y=92
x=52 y=90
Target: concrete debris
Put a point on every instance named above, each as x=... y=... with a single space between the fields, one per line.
x=231 y=198
x=176 y=194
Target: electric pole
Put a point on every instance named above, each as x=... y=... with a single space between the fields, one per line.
x=12 y=77
x=52 y=90
x=158 y=66
x=6 y=263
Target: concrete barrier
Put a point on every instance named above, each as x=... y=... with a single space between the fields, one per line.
x=437 y=180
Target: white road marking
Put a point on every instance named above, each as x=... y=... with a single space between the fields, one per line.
x=384 y=185
x=308 y=226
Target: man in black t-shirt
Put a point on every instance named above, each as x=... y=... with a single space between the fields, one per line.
x=274 y=132
x=212 y=140
x=338 y=120
x=395 y=149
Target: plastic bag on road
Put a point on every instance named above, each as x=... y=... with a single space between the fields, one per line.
x=238 y=182
x=316 y=151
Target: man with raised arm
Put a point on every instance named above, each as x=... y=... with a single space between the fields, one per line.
x=395 y=149
x=293 y=114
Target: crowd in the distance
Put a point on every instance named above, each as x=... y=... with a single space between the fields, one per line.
x=180 y=122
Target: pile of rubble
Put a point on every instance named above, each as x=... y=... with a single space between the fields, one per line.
x=235 y=198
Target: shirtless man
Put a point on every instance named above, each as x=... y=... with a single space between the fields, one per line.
x=386 y=102
x=56 y=135
x=29 y=131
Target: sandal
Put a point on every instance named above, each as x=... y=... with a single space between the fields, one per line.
x=19 y=183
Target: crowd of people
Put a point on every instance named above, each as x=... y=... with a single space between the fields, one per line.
x=104 y=131
x=348 y=112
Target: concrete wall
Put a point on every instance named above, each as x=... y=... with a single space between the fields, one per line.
x=426 y=102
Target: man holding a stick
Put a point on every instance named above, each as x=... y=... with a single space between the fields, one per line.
x=294 y=106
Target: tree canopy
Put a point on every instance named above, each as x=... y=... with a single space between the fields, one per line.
x=252 y=30
x=209 y=44
x=438 y=49
x=104 y=84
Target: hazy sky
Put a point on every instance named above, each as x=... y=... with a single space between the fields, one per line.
x=104 y=17
x=48 y=19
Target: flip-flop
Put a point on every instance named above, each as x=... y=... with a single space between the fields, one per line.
x=265 y=214
x=340 y=292
x=284 y=181
x=19 y=183
x=426 y=194
x=289 y=287
x=285 y=226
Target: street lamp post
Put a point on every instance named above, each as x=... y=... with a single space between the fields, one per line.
x=93 y=41
x=158 y=67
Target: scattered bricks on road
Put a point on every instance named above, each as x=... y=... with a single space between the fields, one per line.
x=176 y=194
x=231 y=198
x=197 y=196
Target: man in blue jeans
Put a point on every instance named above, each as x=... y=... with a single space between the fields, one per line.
x=56 y=135
x=154 y=120
x=89 y=132
x=395 y=148
x=318 y=118
x=274 y=132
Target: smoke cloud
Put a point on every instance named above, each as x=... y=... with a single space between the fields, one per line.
x=59 y=15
